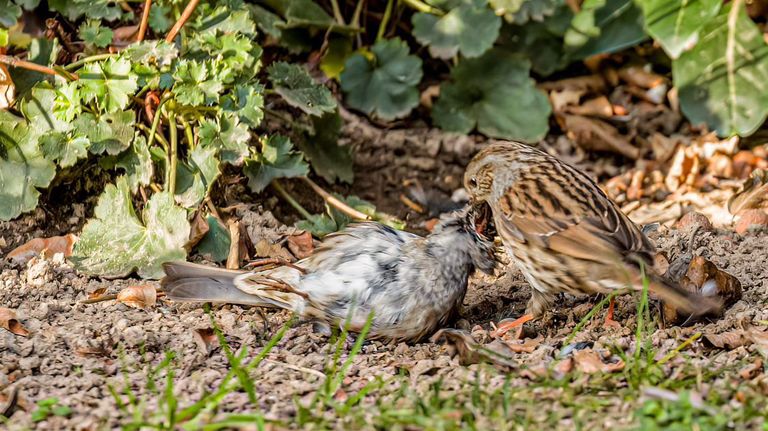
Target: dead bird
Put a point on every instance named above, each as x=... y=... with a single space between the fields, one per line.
x=413 y=285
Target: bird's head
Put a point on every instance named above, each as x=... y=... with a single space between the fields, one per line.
x=467 y=236
x=497 y=162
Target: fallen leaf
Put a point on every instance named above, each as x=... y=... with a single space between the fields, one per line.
x=728 y=340
x=141 y=296
x=86 y=351
x=563 y=98
x=7 y=89
x=471 y=352
x=235 y=247
x=124 y=33
x=753 y=193
x=752 y=370
x=587 y=83
x=9 y=322
x=427 y=97
x=97 y=293
x=639 y=76
x=589 y=361
x=301 y=245
x=597 y=135
x=596 y=107
x=264 y=248
x=206 y=339
x=663 y=146
x=48 y=246
x=683 y=169
x=198 y=229
x=705 y=278
x=527 y=345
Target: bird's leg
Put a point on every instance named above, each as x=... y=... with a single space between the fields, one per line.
x=609 y=322
x=507 y=324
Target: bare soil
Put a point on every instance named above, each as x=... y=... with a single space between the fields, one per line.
x=76 y=352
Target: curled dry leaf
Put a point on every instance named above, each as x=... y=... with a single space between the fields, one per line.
x=301 y=245
x=589 y=361
x=199 y=227
x=597 y=135
x=705 y=278
x=663 y=146
x=728 y=340
x=48 y=246
x=141 y=296
x=587 y=84
x=638 y=76
x=595 y=107
x=7 y=89
x=206 y=339
x=471 y=352
x=9 y=322
x=97 y=293
x=753 y=193
x=563 y=98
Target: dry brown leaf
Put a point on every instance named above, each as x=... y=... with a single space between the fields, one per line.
x=728 y=340
x=235 y=247
x=471 y=352
x=97 y=293
x=47 y=246
x=527 y=345
x=638 y=76
x=635 y=189
x=587 y=83
x=753 y=193
x=267 y=249
x=593 y=134
x=752 y=370
x=197 y=231
x=563 y=98
x=429 y=94
x=589 y=361
x=141 y=296
x=86 y=351
x=124 y=33
x=599 y=106
x=9 y=322
x=7 y=88
x=663 y=147
x=660 y=263
x=206 y=339
x=705 y=278
x=683 y=170
x=301 y=245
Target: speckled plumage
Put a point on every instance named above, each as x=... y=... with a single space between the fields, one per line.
x=412 y=284
x=564 y=233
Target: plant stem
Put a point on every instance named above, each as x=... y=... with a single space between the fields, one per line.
x=172 y=153
x=188 y=132
x=422 y=7
x=160 y=138
x=337 y=12
x=23 y=64
x=288 y=198
x=356 y=15
x=384 y=21
x=182 y=20
x=156 y=121
x=334 y=202
x=82 y=61
x=144 y=21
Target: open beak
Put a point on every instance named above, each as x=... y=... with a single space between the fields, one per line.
x=483 y=220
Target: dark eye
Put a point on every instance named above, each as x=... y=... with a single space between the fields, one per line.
x=473 y=182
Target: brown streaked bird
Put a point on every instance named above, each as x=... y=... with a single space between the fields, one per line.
x=413 y=285
x=563 y=232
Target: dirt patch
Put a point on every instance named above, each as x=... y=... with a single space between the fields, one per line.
x=78 y=352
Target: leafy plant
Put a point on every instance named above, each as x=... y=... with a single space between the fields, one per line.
x=49 y=407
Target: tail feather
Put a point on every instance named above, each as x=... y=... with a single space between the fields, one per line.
x=684 y=300
x=189 y=282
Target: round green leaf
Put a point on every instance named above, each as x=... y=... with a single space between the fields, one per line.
x=470 y=28
x=494 y=94
x=675 y=24
x=299 y=89
x=277 y=159
x=386 y=85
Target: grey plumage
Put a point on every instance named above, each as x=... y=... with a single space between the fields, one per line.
x=411 y=284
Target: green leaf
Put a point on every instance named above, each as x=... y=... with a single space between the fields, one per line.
x=267 y=21
x=330 y=160
x=195 y=177
x=495 y=94
x=111 y=133
x=3 y=37
x=604 y=26
x=110 y=83
x=216 y=241
x=277 y=159
x=299 y=89
x=339 y=49
x=524 y=11
x=318 y=225
x=41 y=51
x=541 y=42
x=39 y=109
x=96 y=9
x=723 y=80
x=386 y=85
x=302 y=13
x=152 y=52
x=67 y=105
x=226 y=19
x=22 y=167
x=246 y=101
x=93 y=33
x=9 y=13
x=676 y=24
x=195 y=84
x=470 y=28
x=66 y=149
x=137 y=163
x=115 y=242
x=227 y=135
x=158 y=18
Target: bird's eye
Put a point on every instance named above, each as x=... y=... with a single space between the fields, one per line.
x=473 y=182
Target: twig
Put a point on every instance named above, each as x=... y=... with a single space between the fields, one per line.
x=182 y=19
x=144 y=21
x=233 y=259
x=334 y=202
x=293 y=202
x=23 y=64
x=295 y=368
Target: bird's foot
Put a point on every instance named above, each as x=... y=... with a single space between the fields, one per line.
x=507 y=325
x=609 y=322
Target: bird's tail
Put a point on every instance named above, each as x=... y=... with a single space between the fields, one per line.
x=190 y=282
x=686 y=301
